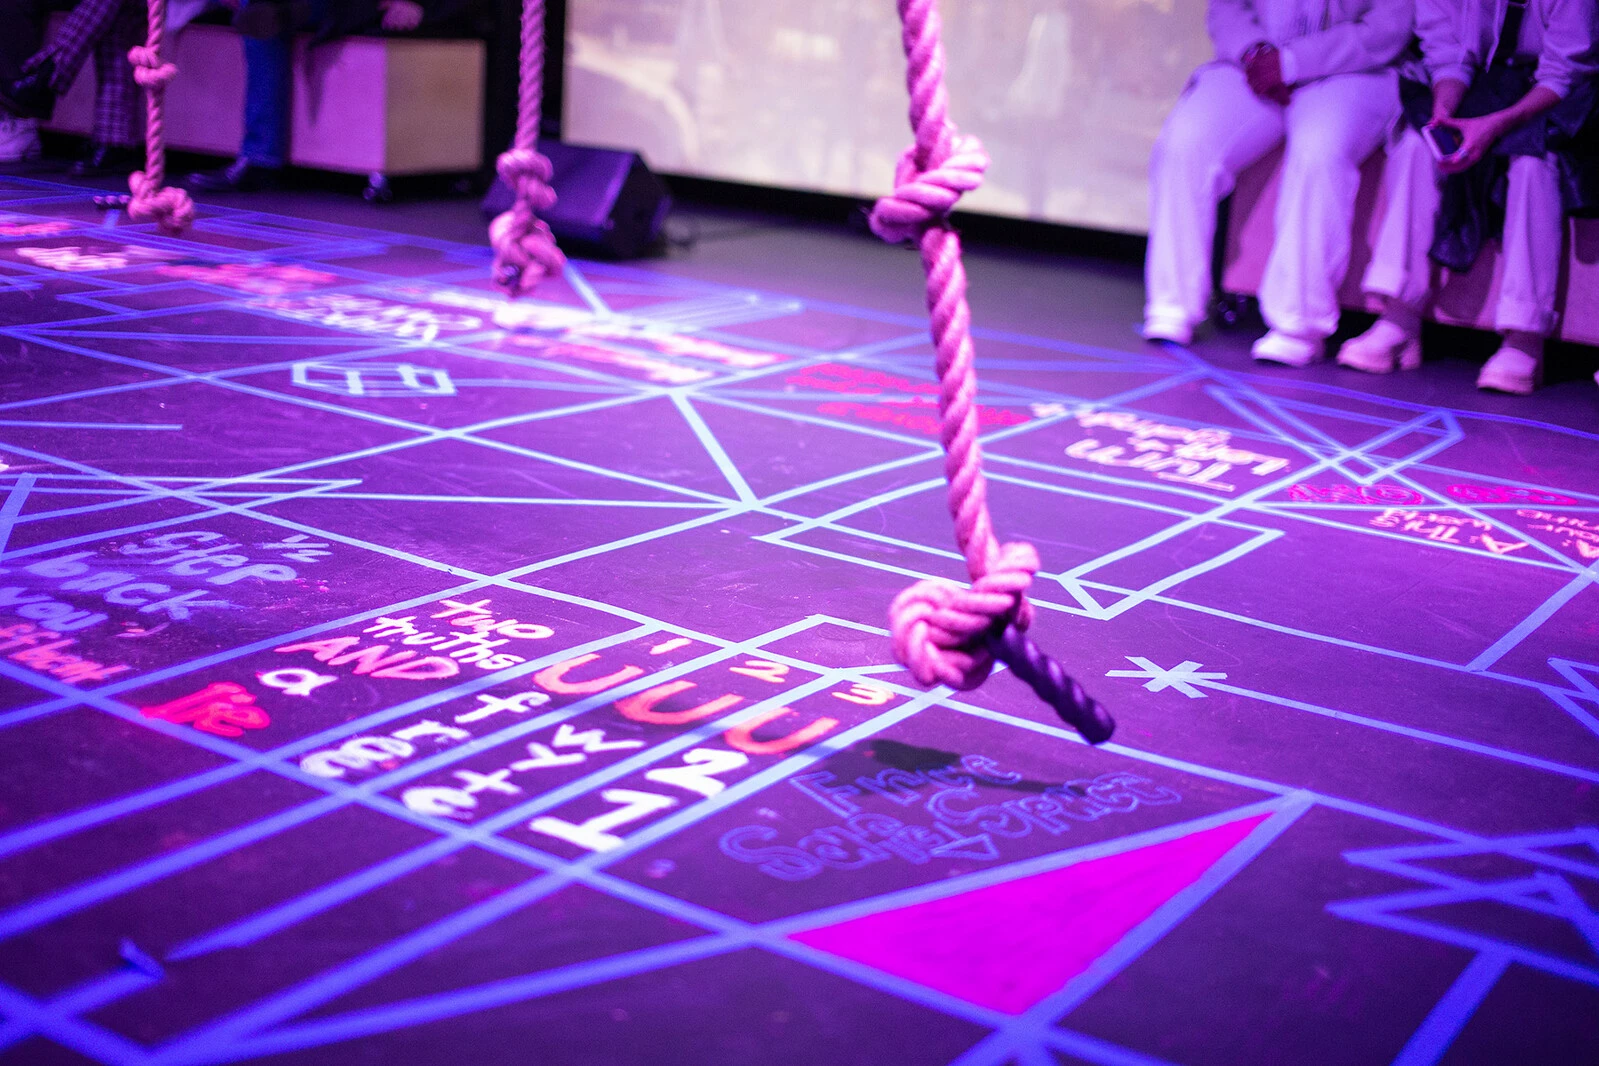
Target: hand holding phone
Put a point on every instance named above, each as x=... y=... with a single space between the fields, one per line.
x=1444 y=141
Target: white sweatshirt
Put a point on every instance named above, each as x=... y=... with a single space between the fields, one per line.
x=1458 y=38
x=1314 y=38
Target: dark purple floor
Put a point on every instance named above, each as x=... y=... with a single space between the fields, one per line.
x=381 y=686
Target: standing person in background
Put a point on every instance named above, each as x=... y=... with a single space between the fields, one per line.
x=1515 y=82
x=24 y=23
x=267 y=28
x=104 y=28
x=1318 y=73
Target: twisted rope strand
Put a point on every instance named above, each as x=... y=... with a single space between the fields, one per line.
x=942 y=633
x=524 y=247
x=170 y=208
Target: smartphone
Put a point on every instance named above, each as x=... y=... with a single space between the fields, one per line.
x=1443 y=140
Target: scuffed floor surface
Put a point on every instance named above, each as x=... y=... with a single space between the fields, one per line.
x=382 y=686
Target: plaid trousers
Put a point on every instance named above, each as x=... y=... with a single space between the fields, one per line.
x=107 y=28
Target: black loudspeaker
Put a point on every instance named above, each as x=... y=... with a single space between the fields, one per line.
x=608 y=203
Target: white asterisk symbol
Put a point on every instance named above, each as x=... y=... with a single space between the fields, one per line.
x=1182 y=677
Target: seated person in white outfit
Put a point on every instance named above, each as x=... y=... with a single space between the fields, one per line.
x=1316 y=71
x=1524 y=73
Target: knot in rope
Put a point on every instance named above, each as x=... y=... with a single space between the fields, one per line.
x=924 y=197
x=169 y=207
x=528 y=174
x=940 y=629
x=524 y=248
x=148 y=69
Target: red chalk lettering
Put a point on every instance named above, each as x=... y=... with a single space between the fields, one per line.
x=1501 y=547
x=762 y=670
x=369 y=659
x=640 y=707
x=429 y=669
x=27 y=633
x=595 y=834
x=44 y=657
x=222 y=708
x=322 y=650
x=742 y=736
x=553 y=678
x=84 y=670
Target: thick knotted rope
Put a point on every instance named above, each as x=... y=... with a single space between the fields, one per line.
x=170 y=208
x=940 y=628
x=944 y=633
x=524 y=247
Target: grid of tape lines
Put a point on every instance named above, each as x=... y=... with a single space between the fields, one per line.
x=372 y=673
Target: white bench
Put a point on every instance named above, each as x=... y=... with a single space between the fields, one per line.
x=1463 y=299
x=381 y=106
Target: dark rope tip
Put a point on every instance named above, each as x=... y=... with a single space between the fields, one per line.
x=1052 y=684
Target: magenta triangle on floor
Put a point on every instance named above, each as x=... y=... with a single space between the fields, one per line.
x=1008 y=946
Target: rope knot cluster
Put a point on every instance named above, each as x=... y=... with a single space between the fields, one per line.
x=524 y=248
x=169 y=207
x=924 y=196
x=940 y=629
x=148 y=69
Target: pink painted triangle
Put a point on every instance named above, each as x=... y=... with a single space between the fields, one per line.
x=1007 y=946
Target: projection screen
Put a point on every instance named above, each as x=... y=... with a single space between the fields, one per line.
x=809 y=94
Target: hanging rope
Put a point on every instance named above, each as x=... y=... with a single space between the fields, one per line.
x=524 y=247
x=945 y=634
x=170 y=208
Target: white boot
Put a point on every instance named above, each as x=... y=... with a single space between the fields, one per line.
x=1517 y=367
x=1289 y=349
x=1174 y=329
x=19 y=138
x=1392 y=343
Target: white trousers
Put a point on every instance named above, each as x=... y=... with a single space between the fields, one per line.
x=1216 y=130
x=1535 y=229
